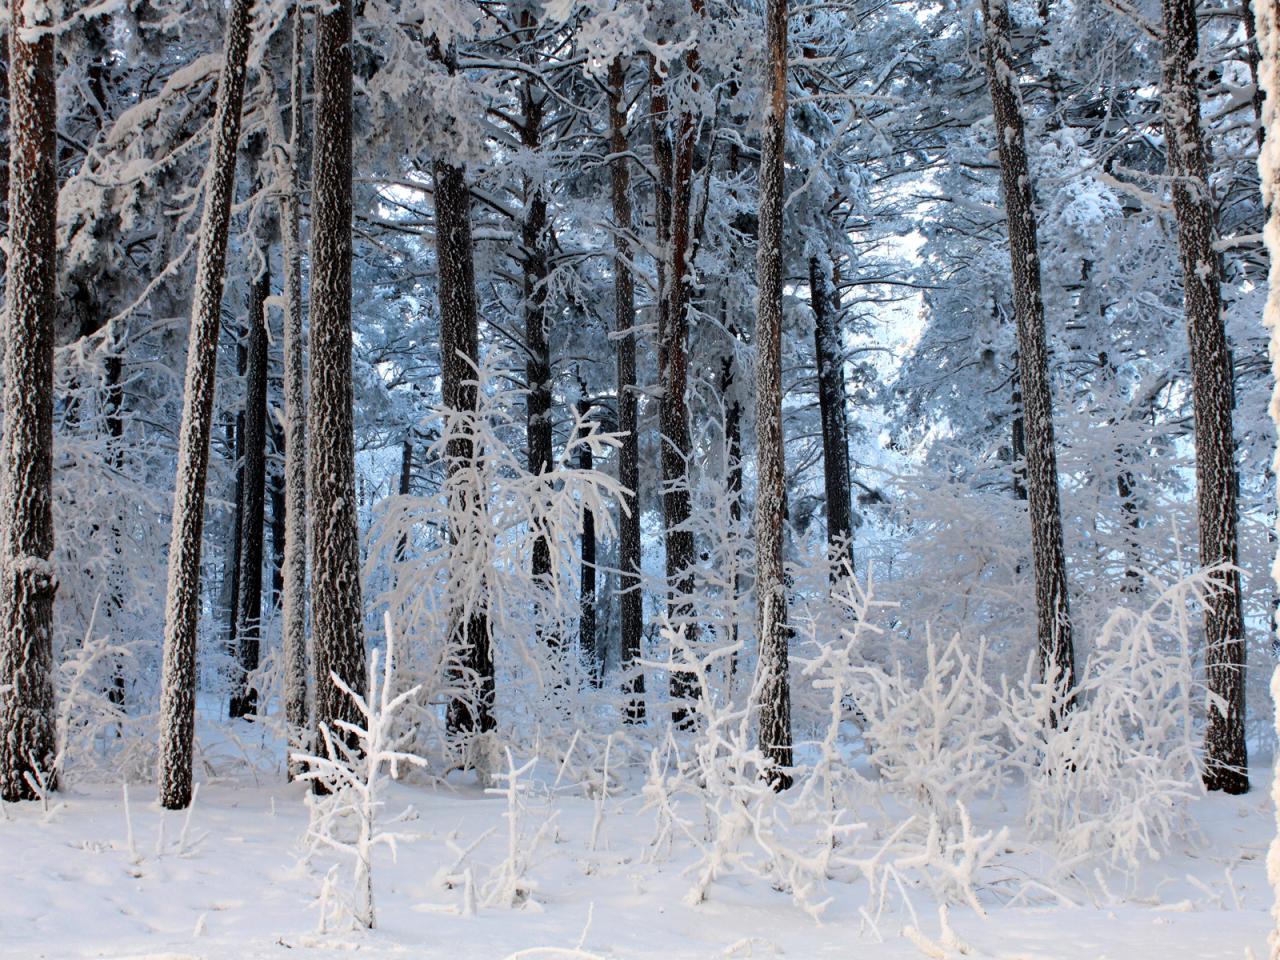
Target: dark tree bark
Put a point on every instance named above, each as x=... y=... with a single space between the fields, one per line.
x=337 y=614
x=534 y=265
x=771 y=497
x=275 y=497
x=460 y=356
x=182 y=606
x=733 y=470
x=588 y=642
x=1056 y=651
x=1213 y=396
x=829 y=354
x=26 y=457
x=630 y=599
x=672 y=192
x=253 y=499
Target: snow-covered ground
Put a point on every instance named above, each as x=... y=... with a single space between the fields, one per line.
x=87 y=881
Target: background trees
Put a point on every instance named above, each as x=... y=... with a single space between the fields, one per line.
x=519 y=213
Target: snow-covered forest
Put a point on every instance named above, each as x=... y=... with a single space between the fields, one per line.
x=639 y=479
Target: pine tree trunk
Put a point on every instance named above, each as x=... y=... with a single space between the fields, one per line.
x=829 y=355
x=337 y=614
x=733 y=481
x=630 y=599
x=588 y=642
x=673 y=191
x=1056 y=652
x=295 y=415
x=1226 y=755
x=275 y=497
x=771 y=498
x=26 y=457
x=253 y=500
x=182 y=605
x=460 y=357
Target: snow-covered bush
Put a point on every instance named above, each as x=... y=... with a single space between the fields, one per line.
x=1113 y=780
x=351 y=766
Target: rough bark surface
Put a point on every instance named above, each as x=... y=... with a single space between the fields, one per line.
x=673 y=191
x=1054 y=640
x=253 y=499
x=630 y=599
x=295 y=414
x=829 y=356
x=460 y=355
x=588 y=645
x=28 y=582
x=770 y=515
x=1213 y=396
x=337 y=615
x=182 y=603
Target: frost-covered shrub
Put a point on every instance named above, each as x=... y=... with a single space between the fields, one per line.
x=1113 y=780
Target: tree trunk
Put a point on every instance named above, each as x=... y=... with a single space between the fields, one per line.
x=770 y=518
x=337 y=615
x=253 y=497
x=182 y=604
x=588 y=642
x=673 y=191
x=630 y=598
x=275 y=496
x=459 y=358
x=829 y=353
x=294 y=612
x=1056 y=652
x=1226 y=755
x=27 y=730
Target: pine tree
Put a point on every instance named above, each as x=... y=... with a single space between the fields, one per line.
x=829 y=357
x=253 y=495
x=771 y=496
x=1056 y=652
x=1213 y=396
x=182 y=605
x=630 y=599
x=295 y=415
x=337 y=614
x=459 y=359
x=26 y=458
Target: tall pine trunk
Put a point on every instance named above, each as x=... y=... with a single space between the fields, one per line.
x=182 y=604
x=28 y=581
x=472 y=714
x=1054 y=641
x=829 y=354
x=588 y=638
x=294 y=572
x=337 y=614
x=1226 y=755
x=253 y=498
x=771 y=498
x=673 y=193
x=630 y=599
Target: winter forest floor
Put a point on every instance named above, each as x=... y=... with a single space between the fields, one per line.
x=87 y=881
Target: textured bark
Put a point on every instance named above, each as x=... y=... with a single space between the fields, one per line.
x=588 y=644
x=829 y=356
x=253 y=500
x=733 y=479
x=460 y=356
x=630 y=599
x=534 y=265
x=337 y=615
x=294 y=610
x=1054 y=640
x=275 y=499
x=1226 y=754
x=182 y=605
x=771 y=498
x=672 y=193
x=28 y=582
